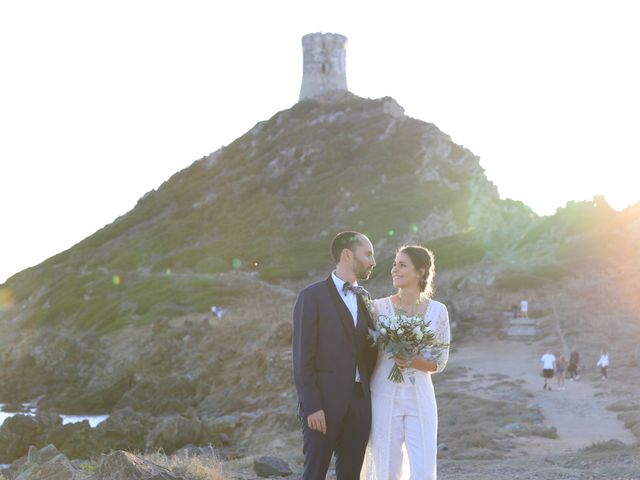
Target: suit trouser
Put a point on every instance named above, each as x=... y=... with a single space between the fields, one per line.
x=406 y=428
x=347 y=438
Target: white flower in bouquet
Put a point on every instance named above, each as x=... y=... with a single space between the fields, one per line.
x=403 y=336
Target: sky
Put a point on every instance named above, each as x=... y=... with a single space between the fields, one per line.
x=101 y=102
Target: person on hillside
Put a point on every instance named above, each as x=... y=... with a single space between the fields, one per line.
x=561 y=366
x=574 y=359
x=524 y=309
x=548 y=368
x=603 y=363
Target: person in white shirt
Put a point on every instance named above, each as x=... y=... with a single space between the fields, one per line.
x=548 y=367
x=603 y=363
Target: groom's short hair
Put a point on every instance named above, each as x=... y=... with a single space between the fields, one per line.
x=344 y=240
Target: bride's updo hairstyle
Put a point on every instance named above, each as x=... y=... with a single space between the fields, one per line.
x=422 y=259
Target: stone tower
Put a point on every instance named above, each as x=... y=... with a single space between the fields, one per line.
x=324 y=67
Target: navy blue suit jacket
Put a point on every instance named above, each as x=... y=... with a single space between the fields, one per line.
x=326 y=349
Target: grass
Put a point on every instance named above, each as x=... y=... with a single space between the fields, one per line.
x=530 y=276
x=623 y=407
x=93 y=301
x=191 y=467
x=88 y=468
x=458 y=250
x=602 y=446
x=467 y=421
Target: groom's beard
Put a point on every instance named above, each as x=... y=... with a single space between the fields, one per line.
x=362 y=271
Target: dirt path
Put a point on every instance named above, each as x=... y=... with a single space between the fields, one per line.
x=579 y=416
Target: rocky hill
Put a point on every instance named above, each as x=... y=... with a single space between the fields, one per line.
x=120 y=322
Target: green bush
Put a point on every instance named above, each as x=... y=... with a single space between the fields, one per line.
x=212 y=264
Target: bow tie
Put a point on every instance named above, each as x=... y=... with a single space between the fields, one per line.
x=357 y=289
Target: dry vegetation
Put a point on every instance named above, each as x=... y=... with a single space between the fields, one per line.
x=191 y=467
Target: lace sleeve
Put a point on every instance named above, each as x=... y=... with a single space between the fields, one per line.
x=443 y=334
x=376 y=308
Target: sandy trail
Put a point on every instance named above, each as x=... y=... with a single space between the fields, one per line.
x=579 y=416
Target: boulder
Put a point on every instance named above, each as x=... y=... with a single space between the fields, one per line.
x=121 y=465
x=57 y=468
x=525 y=430
x=40 y=456
x=104 y=390
x=125 y=429
x=279 y=369
x=34 y=457
x=271 y=467
x=166 y=395
x=17 y=433
x=280 y=336
x=75 y=440
x=219 y=430
x=172 y=433
x=192 y=451
x=614 y=444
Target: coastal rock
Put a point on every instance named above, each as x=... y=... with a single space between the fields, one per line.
x=125 y=429
x=34 y=457
x=169 y=394
x=105 y=389
x=75 y=440
x=57 y=468
x=271 y=467
x=173 y=432
x=219 y=430
x=193 y=451
x=17 y=433
x=525 y=430
x=121 y=465
x=39 y=456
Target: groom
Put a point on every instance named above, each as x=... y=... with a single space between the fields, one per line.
x=333 y=360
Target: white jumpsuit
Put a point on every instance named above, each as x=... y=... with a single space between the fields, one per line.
x=404 y=426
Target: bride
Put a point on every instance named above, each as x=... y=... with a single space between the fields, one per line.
x=406 y=413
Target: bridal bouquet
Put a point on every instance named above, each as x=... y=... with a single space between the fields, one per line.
x=403 y=336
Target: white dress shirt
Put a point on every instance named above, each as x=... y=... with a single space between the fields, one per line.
x=351 y=301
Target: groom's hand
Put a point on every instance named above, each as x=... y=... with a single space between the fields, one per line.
x=317 y=422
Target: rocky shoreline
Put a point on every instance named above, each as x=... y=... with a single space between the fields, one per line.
x=49 y=463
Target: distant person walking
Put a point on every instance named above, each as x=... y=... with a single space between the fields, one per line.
x=548 y=368
x=574 y=360
x=524 y=309
x=561 y=366
x=603 y=363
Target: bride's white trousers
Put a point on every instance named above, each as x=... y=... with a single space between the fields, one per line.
x=405 y=428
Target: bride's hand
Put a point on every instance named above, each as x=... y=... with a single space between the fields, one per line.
x=403 y=363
